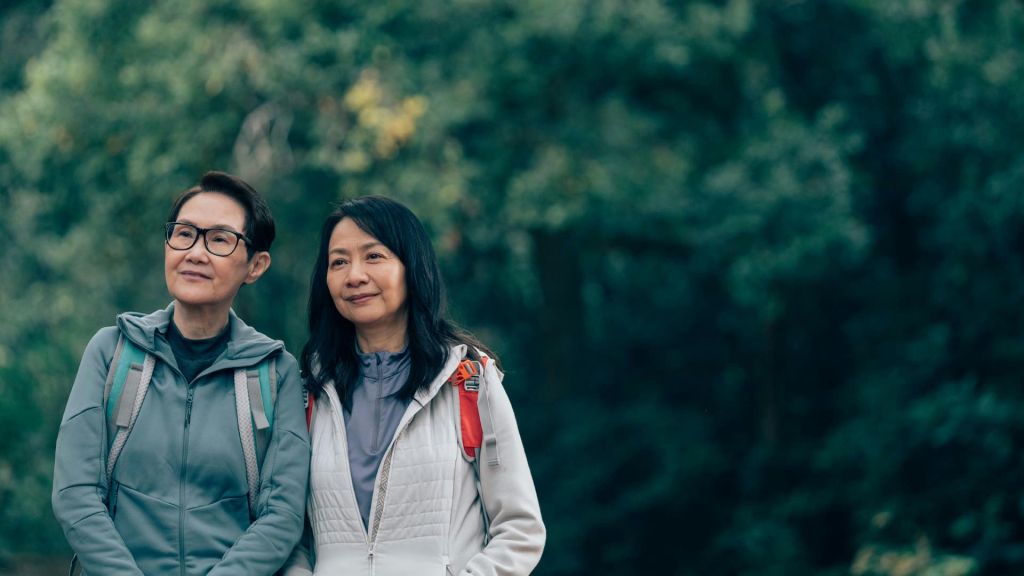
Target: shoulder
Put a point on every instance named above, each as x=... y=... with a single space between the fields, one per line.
x=286 y=366
x=286 y=361
x=102 y=344
x=107 y=335
x=491 y=369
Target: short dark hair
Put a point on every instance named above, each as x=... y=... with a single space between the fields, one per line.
x=330 y=353
x=259 y=223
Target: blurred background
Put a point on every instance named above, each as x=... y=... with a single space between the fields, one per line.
x=754 y=267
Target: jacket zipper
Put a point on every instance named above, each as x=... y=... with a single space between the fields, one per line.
x=181 y=480
x=381 y=488
x=383 y=477
x=338 y=413
x=377 y=405
x=113 y=499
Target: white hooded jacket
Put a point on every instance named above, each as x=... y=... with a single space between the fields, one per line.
x=426 y=516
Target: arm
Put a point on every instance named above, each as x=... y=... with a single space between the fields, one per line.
x=507 y=491
x=79 y=475
x=300 y=563
x=268 y=541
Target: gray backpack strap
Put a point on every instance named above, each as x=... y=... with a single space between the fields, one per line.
x=255 y=397
x=245 y=430
x=490 y=440
x=129 y=403
x=261 y=423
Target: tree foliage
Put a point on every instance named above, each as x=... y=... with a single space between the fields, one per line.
x=754 y=267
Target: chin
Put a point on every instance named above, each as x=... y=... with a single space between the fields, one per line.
x=192 y=299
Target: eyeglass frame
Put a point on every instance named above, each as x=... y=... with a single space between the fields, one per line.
x=169 y=228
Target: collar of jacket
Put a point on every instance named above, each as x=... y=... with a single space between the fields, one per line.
x=246 y=346
x=455 y=355
x=424 y=395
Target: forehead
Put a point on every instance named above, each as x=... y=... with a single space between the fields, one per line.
x=207 y=209
x=347 y=235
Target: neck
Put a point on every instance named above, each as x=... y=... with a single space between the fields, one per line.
x=381 y=339
x=198 y=323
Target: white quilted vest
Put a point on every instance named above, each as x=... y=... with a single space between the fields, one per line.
x=421 y=478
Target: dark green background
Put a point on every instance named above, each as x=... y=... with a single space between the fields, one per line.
x=754 y=267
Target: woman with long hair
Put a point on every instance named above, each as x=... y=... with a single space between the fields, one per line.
x=417 y=464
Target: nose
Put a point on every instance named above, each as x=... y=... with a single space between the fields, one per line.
x=198 y=253
x=356 y=274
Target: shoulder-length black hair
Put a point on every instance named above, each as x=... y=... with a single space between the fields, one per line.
x=330 y=353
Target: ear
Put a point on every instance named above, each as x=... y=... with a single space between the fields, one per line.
x=258 y=264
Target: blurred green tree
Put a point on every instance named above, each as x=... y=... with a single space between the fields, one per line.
x=753 y=266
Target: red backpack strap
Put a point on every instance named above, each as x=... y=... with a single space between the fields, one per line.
x=467 y=379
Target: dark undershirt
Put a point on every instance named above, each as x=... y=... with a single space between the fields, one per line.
x=194 y=356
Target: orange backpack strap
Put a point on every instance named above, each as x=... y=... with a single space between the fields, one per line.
x=467 y=380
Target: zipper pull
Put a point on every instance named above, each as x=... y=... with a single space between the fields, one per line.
x=188 y=406
x=113 y=499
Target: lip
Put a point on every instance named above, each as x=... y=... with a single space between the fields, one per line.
x=193 y=275
x=359 y=298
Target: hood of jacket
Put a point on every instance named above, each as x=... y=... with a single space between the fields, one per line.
x=245 y=347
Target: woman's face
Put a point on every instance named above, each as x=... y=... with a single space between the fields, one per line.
x=197 y=278
x=366 y=280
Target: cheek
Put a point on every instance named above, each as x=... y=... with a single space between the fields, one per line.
x=334 y=285
x=398 y=287
x=170 y=259
x=236 y=269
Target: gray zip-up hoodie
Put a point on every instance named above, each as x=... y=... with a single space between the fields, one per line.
x=178 y=503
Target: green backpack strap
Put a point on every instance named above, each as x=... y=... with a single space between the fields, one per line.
x=128 y=378
x=255 y=398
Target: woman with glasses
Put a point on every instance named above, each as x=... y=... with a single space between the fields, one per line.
x=193 y=457
x=417 y=465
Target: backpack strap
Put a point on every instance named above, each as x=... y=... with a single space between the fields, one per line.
x=474 y=422
x=128 y=378
x=307 y=402
x=466 y=380
x=255 y=398
x=490 y=439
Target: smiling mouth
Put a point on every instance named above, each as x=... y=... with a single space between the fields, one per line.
x=195 y=275
x=360 y=298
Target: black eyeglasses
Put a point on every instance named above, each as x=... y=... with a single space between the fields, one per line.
x=218 y=241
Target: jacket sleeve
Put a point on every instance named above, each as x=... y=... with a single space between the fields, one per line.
x=300 y=563
x=506 y=489
x=268 y=541
x=79 y=475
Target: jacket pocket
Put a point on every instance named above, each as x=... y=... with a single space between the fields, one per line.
x=213 y=528
x=149 y=528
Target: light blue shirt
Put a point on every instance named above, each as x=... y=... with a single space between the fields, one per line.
x=372 y=416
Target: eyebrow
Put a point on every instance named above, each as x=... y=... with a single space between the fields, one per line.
x=223 y=226
x=362 y=247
